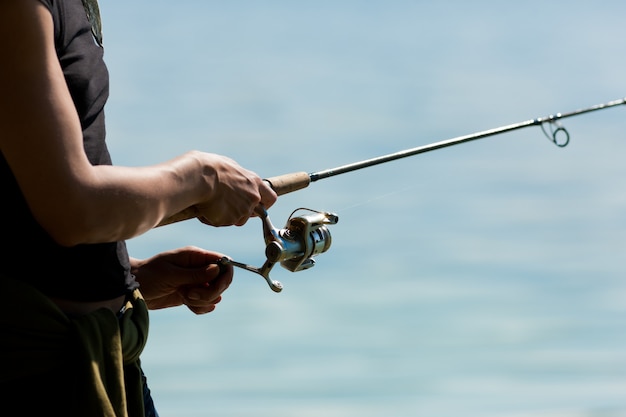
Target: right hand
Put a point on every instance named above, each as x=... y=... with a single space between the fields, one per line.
x=236 y=193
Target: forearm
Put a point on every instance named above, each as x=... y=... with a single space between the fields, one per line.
x=134 y=200
x=117 y=203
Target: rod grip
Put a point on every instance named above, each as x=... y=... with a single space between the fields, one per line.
x=282 y=184
x=287 y=183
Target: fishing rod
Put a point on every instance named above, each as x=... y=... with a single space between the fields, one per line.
x=560 y=136
x=306 y=236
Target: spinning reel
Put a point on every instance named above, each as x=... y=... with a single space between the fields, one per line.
x=294 y=247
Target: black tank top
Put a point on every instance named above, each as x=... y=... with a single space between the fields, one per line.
x=91 y=272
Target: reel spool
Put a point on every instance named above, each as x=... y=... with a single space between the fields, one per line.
x=294 y=246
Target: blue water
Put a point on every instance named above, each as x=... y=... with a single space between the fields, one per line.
x=486 y=279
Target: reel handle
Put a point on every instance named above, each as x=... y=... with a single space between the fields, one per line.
x=282 y=184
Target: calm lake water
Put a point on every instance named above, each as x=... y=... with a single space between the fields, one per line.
x=485 y=279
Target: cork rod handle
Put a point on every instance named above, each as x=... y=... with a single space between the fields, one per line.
x=282 y=184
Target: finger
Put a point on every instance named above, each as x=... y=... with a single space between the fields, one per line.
x=268 y=195
x=201 y=300
x=211 y=273
x=198 y=257
x=208 y=292
x=204 y=309
x=242 y=220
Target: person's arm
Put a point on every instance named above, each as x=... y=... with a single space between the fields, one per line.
x=75 y=202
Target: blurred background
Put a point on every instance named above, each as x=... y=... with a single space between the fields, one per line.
x=484 y=279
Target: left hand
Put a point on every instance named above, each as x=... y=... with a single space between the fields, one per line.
x=187 y=276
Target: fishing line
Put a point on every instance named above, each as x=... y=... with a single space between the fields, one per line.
x=376 y=198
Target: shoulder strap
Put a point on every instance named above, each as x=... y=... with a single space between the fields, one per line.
x=93 y=14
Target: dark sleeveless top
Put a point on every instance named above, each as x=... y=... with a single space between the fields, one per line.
x=91 y=272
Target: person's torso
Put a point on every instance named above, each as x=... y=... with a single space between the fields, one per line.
x=84 y=272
